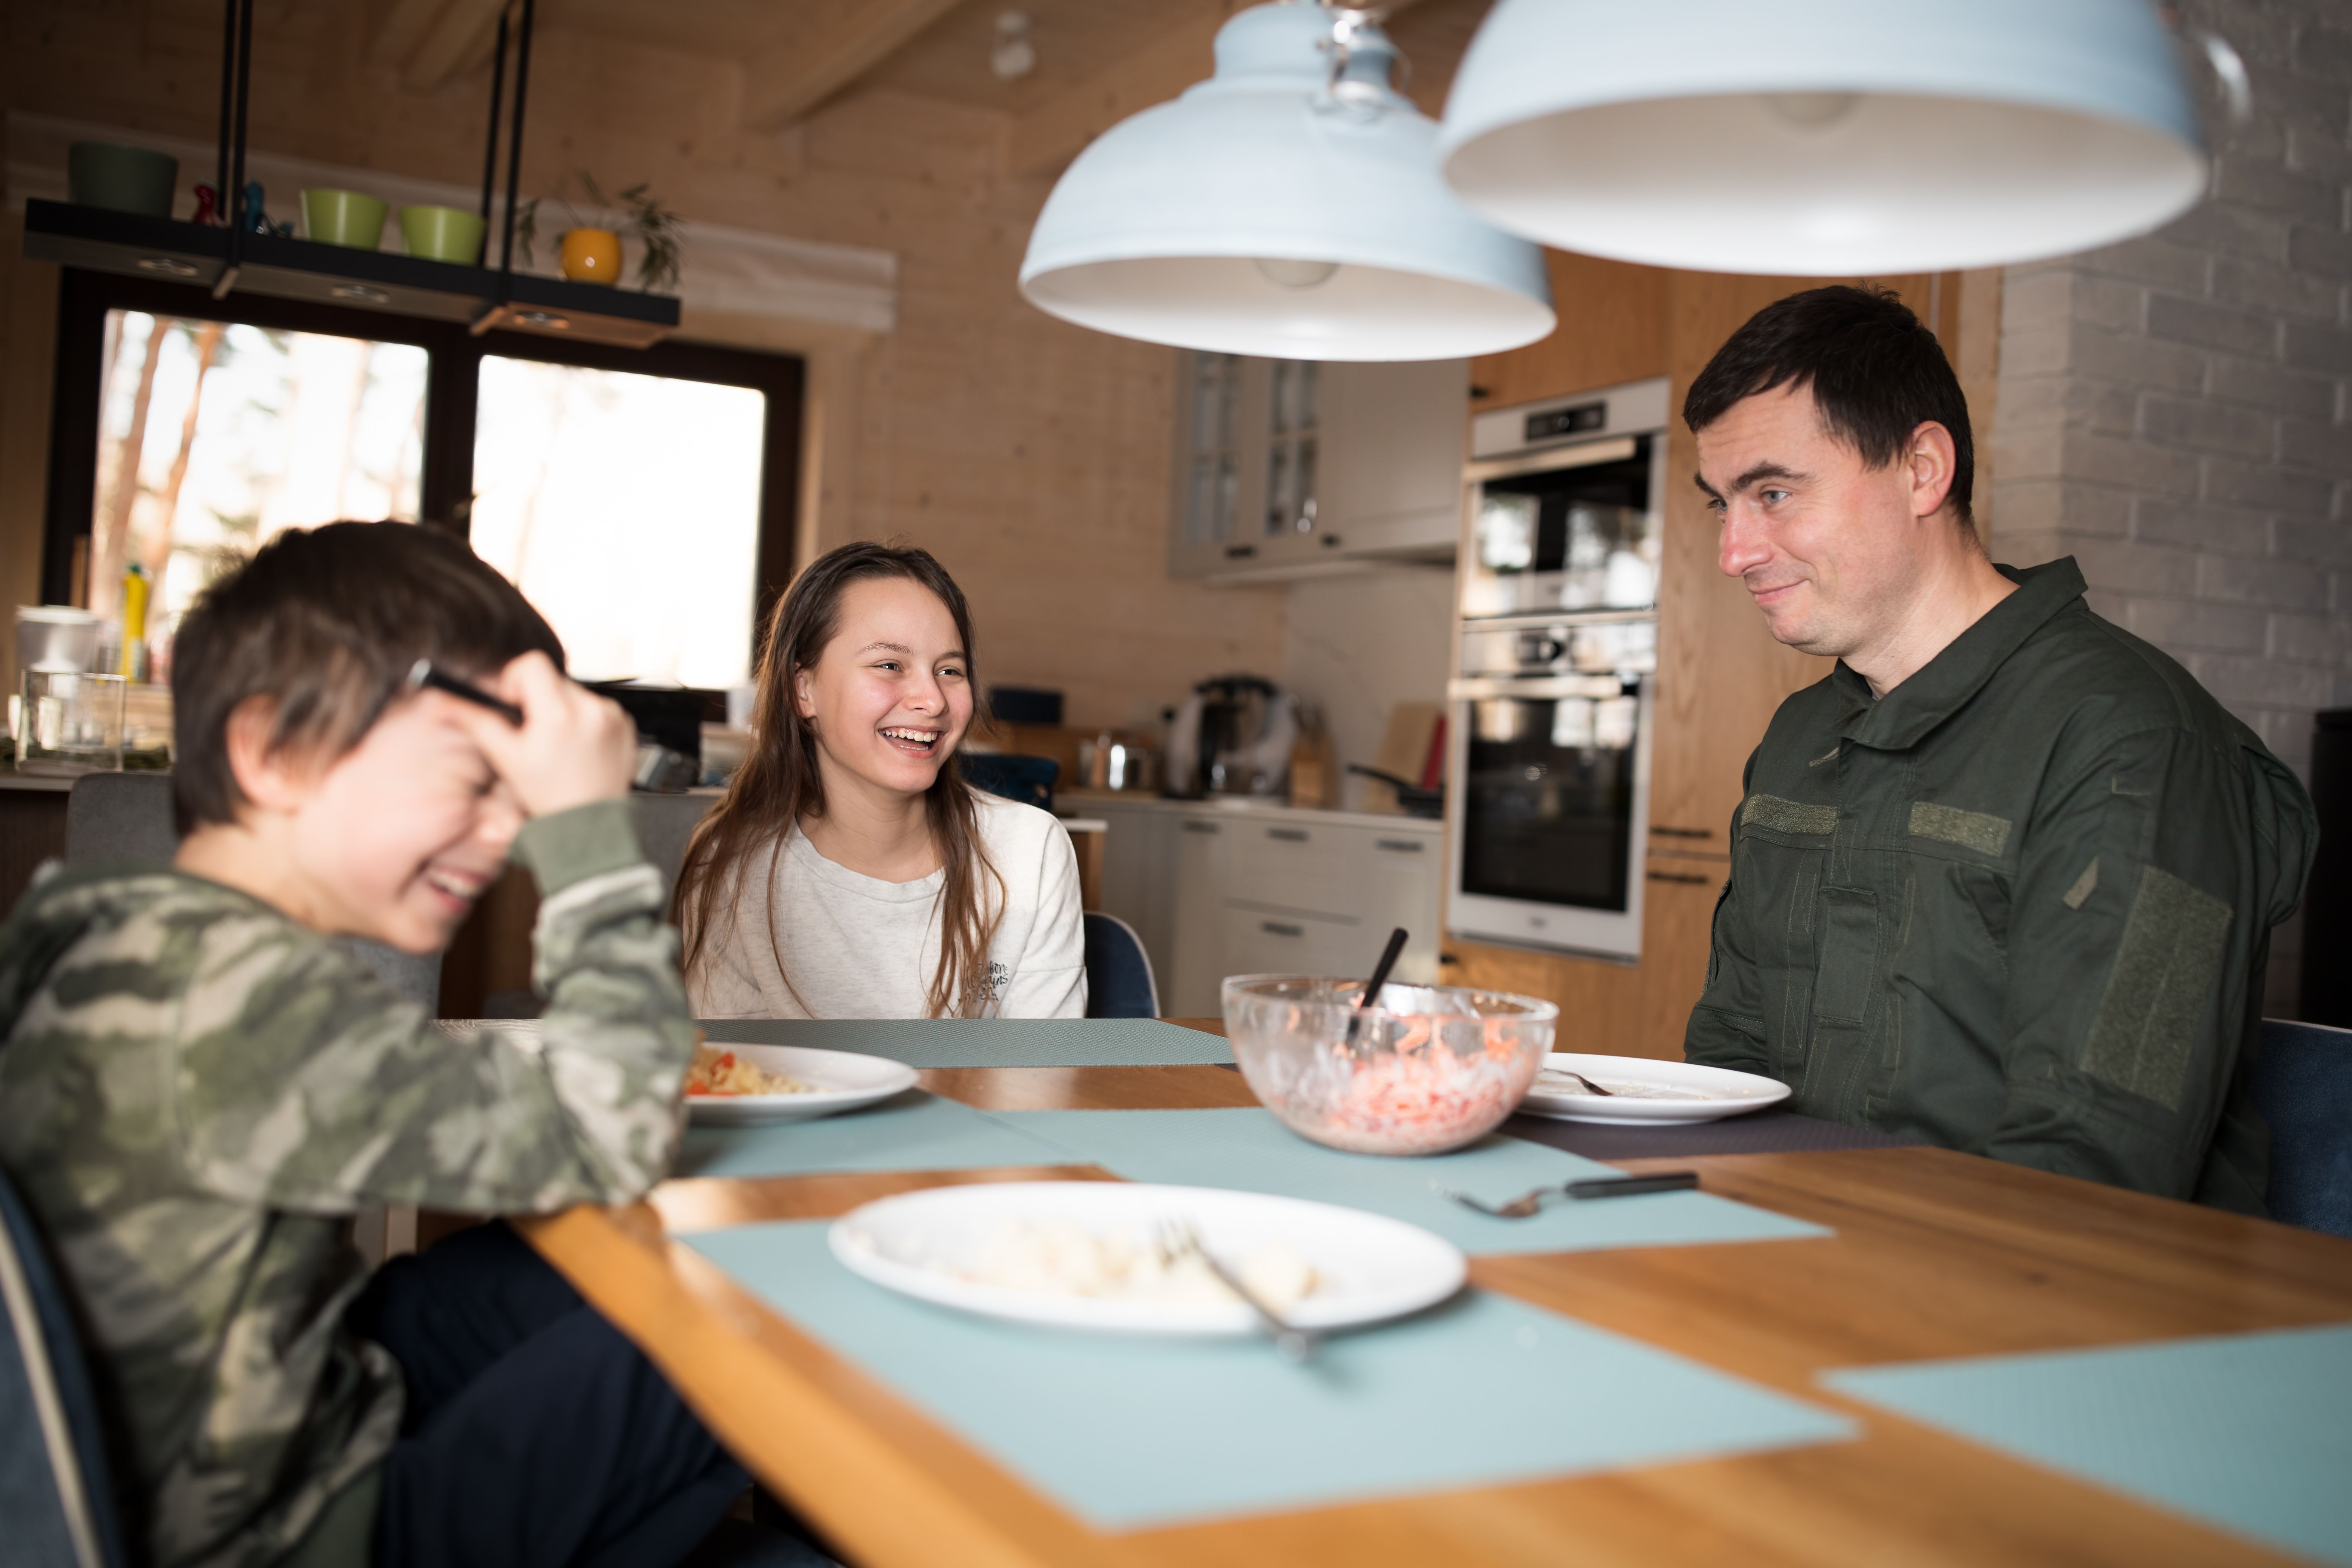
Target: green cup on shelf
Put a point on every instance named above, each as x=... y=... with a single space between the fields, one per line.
x=121 y=179
x=343 y=217
x=442 y=234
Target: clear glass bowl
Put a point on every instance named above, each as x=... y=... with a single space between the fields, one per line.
x=1431 y=1068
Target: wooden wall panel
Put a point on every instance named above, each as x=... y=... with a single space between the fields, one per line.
x=1612 y=328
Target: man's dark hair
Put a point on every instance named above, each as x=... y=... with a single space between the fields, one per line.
x=1876 y=373
x=326 y=622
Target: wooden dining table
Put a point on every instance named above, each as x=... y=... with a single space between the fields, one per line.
x=1935 y=1255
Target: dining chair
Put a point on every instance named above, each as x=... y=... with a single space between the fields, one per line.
x=54 y=1493
x=125 y=819
x=1118 y=971
x=664 y=822
x=1029 y=780
x=2302 y=1083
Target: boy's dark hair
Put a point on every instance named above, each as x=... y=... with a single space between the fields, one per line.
x=1875 y=370
x=326 y=622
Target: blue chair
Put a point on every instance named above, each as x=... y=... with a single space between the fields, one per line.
x=2302 y=1083
x=55 y=1499
x=1029 y=780
x=1118 y=971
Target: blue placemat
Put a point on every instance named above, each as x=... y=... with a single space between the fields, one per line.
x=2249 y=1432
x=1129 y=1432
x=987 y=1042
x=1250 y=1149
x=911 y=1132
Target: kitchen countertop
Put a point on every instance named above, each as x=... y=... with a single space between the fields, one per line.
x=1094 y=802
x=11 y=779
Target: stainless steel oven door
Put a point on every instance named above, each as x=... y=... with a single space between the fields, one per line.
x=1550 y=811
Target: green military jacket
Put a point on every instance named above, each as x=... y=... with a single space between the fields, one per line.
x=196 y=1094
x=2019 y=906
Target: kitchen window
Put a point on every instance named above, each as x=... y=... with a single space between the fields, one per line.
x=643 y=499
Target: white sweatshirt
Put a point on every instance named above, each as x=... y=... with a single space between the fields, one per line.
x=858 y=947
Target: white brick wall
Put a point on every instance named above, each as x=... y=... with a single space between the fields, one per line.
x=2175 y=411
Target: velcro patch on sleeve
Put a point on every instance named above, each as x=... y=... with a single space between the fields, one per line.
x=1975 y=830
x=2165 y=970
x=1787 y=816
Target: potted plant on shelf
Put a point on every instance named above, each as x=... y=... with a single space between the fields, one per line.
x=589 y=248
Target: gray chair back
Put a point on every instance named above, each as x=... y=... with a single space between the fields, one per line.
x=55 y=1500
x=125 y=819
x=665 y=822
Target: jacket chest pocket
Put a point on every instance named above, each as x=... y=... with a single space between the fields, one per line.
x=1849 y=938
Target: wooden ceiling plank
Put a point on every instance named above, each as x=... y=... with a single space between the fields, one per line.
x=458 y=40
x=786 y=83
x=1056 y=131
x=404 y=30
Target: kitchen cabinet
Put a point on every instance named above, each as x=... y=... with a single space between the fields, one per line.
x=1287 y=469
x=1216 y=888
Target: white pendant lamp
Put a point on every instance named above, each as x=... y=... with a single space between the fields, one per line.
x=1824 y=137
x=1289 y=206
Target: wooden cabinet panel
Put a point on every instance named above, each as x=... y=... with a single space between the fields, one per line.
x=1620 y=1009
x=1612 y=328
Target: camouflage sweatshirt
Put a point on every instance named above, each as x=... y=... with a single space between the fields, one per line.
x=195 y=1095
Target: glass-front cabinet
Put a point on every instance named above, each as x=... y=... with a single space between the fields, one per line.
x=1284 y=464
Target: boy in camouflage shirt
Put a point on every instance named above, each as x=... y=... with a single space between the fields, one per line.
x=198 y=1088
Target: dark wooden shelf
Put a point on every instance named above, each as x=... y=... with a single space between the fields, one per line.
x=166 y=248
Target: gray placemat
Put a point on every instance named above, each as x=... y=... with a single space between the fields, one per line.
x=986 y=1042
x=1130 y=1432
x=1757 y=1133
x=910 y=1131
x=1248 y=1150
x=2240 y=1430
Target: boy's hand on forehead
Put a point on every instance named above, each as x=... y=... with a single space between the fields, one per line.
x=573 y=747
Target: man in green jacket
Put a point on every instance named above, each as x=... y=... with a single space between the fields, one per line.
x=2005 y=880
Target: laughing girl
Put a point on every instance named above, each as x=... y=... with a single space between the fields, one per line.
x=849 y=871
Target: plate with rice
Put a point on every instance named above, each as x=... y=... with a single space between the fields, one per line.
x=732 y=1084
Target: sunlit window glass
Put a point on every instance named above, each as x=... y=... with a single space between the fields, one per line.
x=627 y=507
x=211 y=437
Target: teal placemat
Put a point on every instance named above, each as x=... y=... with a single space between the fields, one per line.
x=2249 y=1432
x=1129 y=1432
x=987 y=1042
x=1250 y=1149
x=911 y=1132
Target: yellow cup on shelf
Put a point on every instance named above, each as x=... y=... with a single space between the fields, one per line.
x=592 y=256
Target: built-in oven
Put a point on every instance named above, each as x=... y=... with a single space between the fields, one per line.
x=1552 y=695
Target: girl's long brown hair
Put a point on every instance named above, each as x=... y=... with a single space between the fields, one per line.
x=779 y=785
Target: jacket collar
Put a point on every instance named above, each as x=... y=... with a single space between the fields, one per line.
x=1904 y=717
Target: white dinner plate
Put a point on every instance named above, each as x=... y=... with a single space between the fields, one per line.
x=1655 y=1093
x=1368 y=1267
x=838 y=1081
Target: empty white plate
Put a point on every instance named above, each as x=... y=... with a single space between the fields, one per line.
x=1655 y=1093
x=929 y=1244
x=837 y=1080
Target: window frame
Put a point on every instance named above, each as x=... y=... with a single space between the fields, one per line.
x=452 y=402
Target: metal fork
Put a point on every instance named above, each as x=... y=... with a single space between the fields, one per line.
x=1295 y=1344
x=1528 y=1202
x=1583 y=1079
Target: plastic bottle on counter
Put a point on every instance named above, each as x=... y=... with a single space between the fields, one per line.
x=133 y=663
